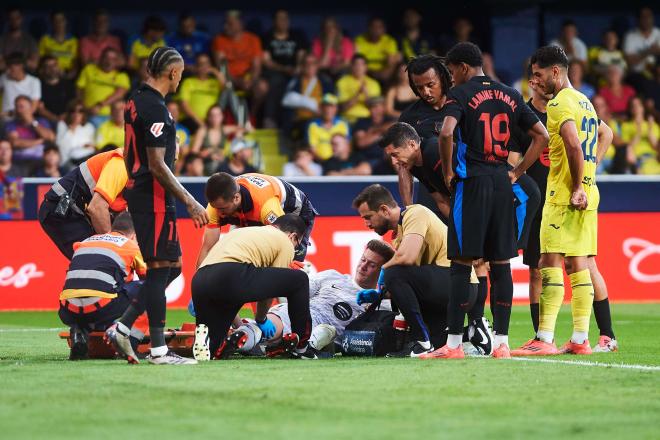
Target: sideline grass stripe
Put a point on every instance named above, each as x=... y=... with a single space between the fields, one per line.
x=32 y=330
x=591 y=364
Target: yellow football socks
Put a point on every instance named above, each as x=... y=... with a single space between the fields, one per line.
x=552 y=296
x=581 y=302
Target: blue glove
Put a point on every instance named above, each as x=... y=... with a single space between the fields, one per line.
x=381 y=281
x=191 y=308
x=267 y=328
x=367 y=296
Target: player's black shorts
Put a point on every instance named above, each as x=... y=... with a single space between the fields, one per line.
x=527 y=203
x=532 y=254
x=157 y=235
x=481 y=221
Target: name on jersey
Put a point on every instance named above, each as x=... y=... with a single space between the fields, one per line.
x=487 y=95
x=586 y=105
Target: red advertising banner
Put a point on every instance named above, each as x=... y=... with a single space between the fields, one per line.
x=32 y=270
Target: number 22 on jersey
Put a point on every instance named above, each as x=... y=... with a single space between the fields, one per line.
x=590 y=127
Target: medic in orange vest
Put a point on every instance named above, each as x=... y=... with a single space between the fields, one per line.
x=99 y=283
x=81 y=203
x=253 y=200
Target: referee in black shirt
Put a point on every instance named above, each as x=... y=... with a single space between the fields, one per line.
x=480 y=112
x=149 y=153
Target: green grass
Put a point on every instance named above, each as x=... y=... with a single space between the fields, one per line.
x=42 y=395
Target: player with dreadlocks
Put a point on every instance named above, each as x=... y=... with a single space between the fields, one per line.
x=149 y=153
x=420 y=157
x=413 y=145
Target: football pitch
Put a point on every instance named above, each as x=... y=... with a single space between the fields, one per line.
x=617 y=395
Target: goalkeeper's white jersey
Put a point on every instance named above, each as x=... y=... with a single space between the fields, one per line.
x=332 y=299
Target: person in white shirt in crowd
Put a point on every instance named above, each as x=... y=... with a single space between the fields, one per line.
x=75 y=136
x=641 y=46
x=302 y=164
x=569 y=41
x=16 y=82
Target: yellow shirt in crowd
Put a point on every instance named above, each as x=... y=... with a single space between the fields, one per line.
x=141 y=50
x=347 y=87
x=376 y=53
x=109 y=133
x=65 y=51
x=646 y=155
x=97 y=85
x=318 y=136
x=200 y=94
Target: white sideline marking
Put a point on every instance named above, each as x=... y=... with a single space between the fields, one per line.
x=591 y=364
x=30 y=330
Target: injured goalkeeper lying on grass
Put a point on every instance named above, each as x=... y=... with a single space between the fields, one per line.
x=332 y=307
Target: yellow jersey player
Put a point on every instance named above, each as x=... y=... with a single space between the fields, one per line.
x=578 y=139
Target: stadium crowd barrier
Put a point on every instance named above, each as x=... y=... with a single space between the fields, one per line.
x=32 y=269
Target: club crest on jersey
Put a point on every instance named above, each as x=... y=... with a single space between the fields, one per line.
x=271 y=217
x=157 y=128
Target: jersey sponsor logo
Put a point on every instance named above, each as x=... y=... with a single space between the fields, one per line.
x=342 y=310
x=257 y=181
x=115 y=239
x=638 y=250
x=157 y=128
x=271 y=217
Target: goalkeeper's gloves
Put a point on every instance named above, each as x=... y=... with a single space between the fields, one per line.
x=367 y=296
x=267 y=328
x=372 y=295
x=380 y=284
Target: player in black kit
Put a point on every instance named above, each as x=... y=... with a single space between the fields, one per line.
x=430 y=80
x=538 y=171
x=479 y=113
x=149 y=153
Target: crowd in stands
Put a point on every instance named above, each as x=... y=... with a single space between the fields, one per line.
x=331 y=95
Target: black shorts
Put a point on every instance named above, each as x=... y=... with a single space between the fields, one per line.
x=532 y=254
x=527 y=203
x=482 y=219
x=157 y=235
x=64 y=232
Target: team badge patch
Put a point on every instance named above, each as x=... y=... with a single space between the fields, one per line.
x=271 y=217
x=157 y=128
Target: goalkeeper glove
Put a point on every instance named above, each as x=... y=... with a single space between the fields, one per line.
x=367 y=296
x=267 y=328
x=372 y=295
